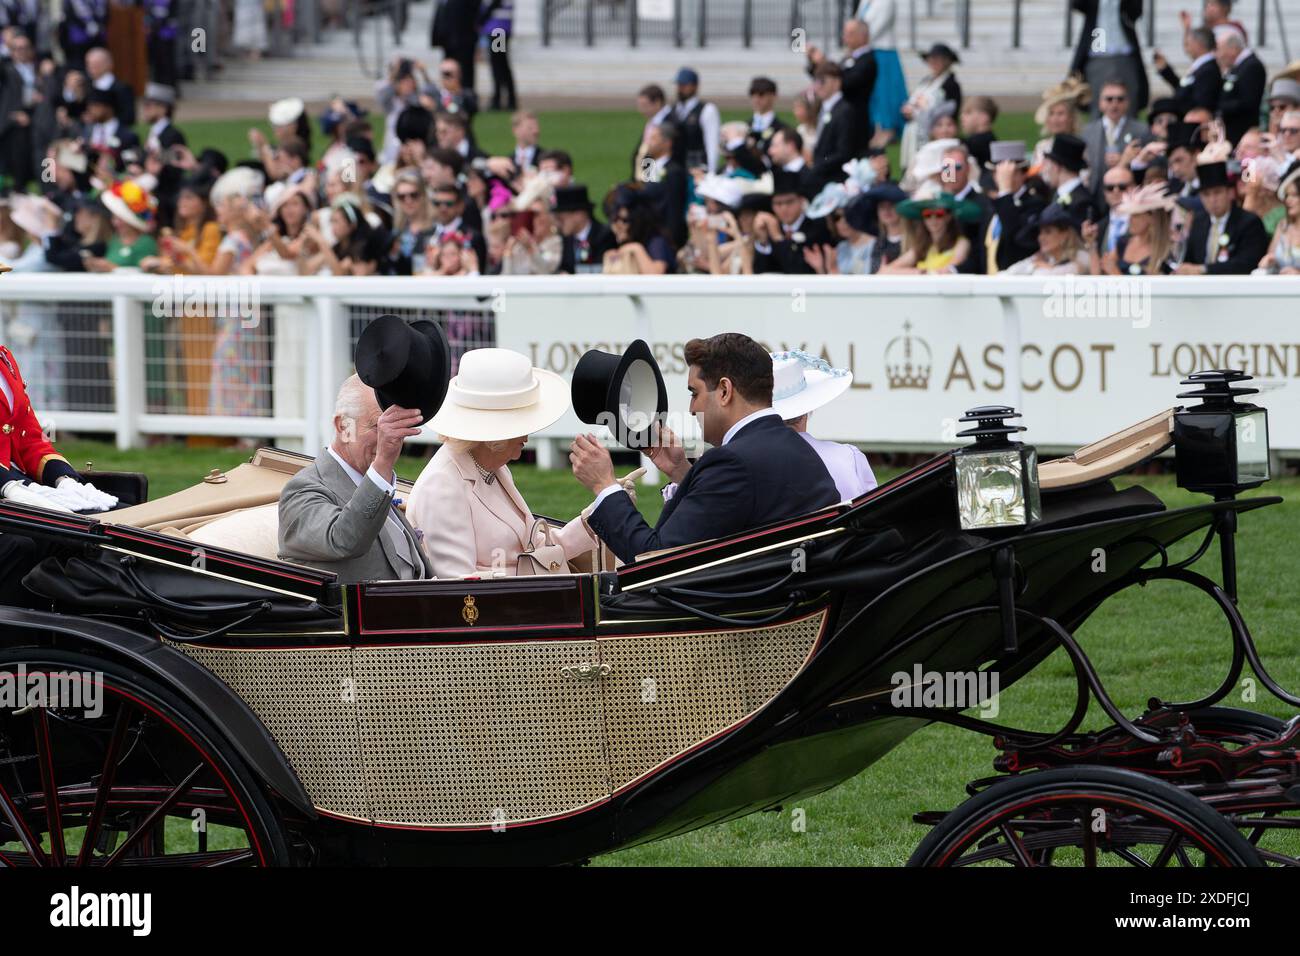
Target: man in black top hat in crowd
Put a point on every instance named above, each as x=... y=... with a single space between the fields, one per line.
x=1062 y=170
x=858 y=67
x=758 y=471
x=1200 y=85
x=1224 y=239
x=340 y=512
x=1013 y=205
x=698 y=122
x=585 y=240
x=103 y=131
x=1244 y=80
x=840 y=131
x=156 y=109
x=782 y=237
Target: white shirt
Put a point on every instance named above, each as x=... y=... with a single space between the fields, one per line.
x=1108 y=22
x=9 y=392
x=384 y=485
x=1068 y=187
x=710 y=126
x=1196 y=65
x=731 y=433
x=827 y=107
x=1211 y=250
x=155 y=131
x=105 y=82
x=879 y=16
x=759 y=122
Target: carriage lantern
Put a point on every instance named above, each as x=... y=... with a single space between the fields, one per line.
x=997 y=478
x=1221 y=444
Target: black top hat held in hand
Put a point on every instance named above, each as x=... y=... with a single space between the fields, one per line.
x=624 y=392
x=408 y=364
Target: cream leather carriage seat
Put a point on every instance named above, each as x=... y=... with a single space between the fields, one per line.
x=252 y=531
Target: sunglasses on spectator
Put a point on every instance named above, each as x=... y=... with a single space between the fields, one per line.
x=1114 y=99
x=623 y=219
x=443 y=203
x=405 y=196
x=1289 y=130
x=934 y=213
x=1111 y=187
x=447 y=74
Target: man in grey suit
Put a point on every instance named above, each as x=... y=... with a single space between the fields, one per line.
x=1106 y=138
x=338 y=513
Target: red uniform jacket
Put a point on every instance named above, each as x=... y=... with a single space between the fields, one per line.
x=23 y=445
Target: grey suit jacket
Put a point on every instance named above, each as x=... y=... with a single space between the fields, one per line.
x=329 y=522
x=1094 y=142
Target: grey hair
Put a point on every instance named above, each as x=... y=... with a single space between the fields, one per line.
x=351 y=402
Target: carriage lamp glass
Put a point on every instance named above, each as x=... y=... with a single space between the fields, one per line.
x=1222 y=443
x=997 y=479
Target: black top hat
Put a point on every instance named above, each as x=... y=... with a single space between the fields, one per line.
x=100 y=97
x=785 y=182
x=408 y=364
x=758 y=202
x=624 y=392
x=862 y=211
x=941 y=49
x=1053 y=214
x=1067 y=151
x=1178 y=133
x=1162 y=106
x=1212 y=174
x=572 y=198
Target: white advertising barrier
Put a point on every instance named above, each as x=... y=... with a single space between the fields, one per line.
x=1079 y=357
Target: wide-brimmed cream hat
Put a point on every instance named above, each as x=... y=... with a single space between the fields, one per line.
x=1072 y=89
x=497 y=394
x=802 y=382
x=1147 y=198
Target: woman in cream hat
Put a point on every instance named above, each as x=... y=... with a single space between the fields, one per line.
x=465 y=506
x=1146 y=248
x=1059 y=113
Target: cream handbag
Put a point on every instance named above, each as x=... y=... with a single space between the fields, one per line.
x=547 y=558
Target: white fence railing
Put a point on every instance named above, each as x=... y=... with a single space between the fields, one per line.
x=140 y=355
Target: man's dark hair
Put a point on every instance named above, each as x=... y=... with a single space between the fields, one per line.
x=362 y=147
x=297 y=149
x=449 y=158
x=455 y=119
x=828 y=69
x=358 y=128
x=452 y=188
x=1204 y=36
x=653 y=92
x=558 y=156
x=762 y=86
x=735 y=356
x=791 y=136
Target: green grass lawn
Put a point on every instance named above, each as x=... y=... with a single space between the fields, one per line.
x=600 y=141
x=1164 y=640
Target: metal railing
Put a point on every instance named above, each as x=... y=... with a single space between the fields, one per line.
x=690 y=22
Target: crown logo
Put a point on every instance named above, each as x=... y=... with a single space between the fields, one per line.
x=907 y=360
x=469 y=613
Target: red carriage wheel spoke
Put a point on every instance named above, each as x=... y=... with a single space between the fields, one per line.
x=105 y=785
x=53 y=817
x=156 y=814
x=29 y=841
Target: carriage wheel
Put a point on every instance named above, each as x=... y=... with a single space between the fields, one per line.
x=1274 y=830
x=113 y=769
x=1084 y=816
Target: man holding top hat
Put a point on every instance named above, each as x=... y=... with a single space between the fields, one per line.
x=758 y=471
x=1013 y=206
x=339 y=513
x=1224 y=239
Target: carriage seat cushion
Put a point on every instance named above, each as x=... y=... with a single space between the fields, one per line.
x=252 y=531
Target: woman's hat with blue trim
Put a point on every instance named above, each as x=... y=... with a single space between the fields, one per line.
x=802 y=382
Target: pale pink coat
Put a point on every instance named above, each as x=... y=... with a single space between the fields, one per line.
x=469 y=527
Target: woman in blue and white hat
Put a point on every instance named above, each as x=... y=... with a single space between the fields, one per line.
x=803 y=383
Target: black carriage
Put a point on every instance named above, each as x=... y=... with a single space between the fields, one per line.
x=237 y=709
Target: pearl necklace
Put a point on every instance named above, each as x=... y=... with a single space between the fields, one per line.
x=488 y=476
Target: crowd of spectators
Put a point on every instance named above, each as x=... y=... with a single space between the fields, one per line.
x=1202 y=179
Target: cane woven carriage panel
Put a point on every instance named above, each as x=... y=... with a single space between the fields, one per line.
x=307 y=700
x=665 y=693
x=480 y=734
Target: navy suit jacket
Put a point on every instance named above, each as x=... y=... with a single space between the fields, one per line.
x=765 y=473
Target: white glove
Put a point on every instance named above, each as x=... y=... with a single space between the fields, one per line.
x=93 y=498
x=34 y=496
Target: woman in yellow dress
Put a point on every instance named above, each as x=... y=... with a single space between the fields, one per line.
x=933 y=243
